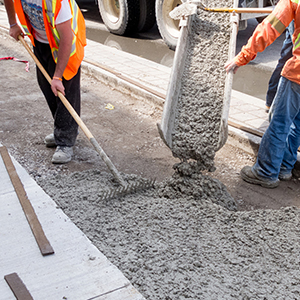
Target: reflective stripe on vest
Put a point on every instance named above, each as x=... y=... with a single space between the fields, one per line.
x=276 y=23
x=297 y=42
x=74 y=25
x=26 y=30
x=50 y=6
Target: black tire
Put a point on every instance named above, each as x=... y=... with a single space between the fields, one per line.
x=121 y=17
x=168 y=28
x=147 y=15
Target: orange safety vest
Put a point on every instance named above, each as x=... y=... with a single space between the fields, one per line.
x=269 y=30
x=50 y=14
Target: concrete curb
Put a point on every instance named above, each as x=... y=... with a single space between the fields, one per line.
x=121 y=85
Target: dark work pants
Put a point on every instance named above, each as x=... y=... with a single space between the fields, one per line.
x=65 y=127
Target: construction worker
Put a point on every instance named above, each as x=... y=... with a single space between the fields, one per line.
x=57 y=32
x=278 y=149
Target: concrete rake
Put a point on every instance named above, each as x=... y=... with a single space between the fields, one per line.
x=108 y=194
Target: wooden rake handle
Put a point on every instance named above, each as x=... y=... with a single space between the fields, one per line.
x=76 y=117
x=240 y=10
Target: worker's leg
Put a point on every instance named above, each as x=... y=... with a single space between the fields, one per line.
x=65 y=127
x=43 y=53
x=292 y=145
x=286 y=109
x=285 y=54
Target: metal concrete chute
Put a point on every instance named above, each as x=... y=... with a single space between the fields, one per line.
x=166 y=126
x=189 y=12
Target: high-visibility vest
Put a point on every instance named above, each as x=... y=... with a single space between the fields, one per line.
x=50 y=12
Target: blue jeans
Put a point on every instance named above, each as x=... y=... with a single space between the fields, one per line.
x=278 y=148
x=285 y=54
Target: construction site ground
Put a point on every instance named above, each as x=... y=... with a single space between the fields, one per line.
x=127 y=133
x=123 y=120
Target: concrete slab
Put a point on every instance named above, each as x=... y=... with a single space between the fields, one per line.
x=77 y=269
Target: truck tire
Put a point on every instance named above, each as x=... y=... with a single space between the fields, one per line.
x=168 y=28
x=121 y=17
x=147 y=15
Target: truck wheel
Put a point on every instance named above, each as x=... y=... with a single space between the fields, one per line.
x=119 y=16
x=147 y=15
x=168 y=28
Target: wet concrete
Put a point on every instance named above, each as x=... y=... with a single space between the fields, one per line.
x=197 y=125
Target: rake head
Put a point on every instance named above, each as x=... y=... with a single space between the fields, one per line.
x=127 y=189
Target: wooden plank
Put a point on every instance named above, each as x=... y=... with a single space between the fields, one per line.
x=245 y=128
x=30 y=214
x=18 y=287
x=248 y=129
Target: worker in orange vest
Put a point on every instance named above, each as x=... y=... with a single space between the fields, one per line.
x=277 y=153
x=57 y=32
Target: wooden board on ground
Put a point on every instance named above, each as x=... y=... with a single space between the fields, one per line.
x=35 y=225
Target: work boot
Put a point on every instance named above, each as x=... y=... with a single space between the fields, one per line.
x=50 y=141
x=62 y=155
x=285 y=177
x=249 y=176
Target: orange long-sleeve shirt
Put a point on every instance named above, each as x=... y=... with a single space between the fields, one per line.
x=269 y=30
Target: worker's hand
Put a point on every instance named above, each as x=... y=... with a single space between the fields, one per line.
x=231 y=65
x=15 y=31
x=57 y=85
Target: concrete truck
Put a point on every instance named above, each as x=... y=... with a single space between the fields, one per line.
x=124 y=17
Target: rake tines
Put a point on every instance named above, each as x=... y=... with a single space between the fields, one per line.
x=127 y=189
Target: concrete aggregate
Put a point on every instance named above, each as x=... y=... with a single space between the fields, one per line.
x=200 y=102
x=181 y=240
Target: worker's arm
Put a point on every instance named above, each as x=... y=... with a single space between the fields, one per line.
x=265 y=34
x=15 y=30
x=64 y=51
